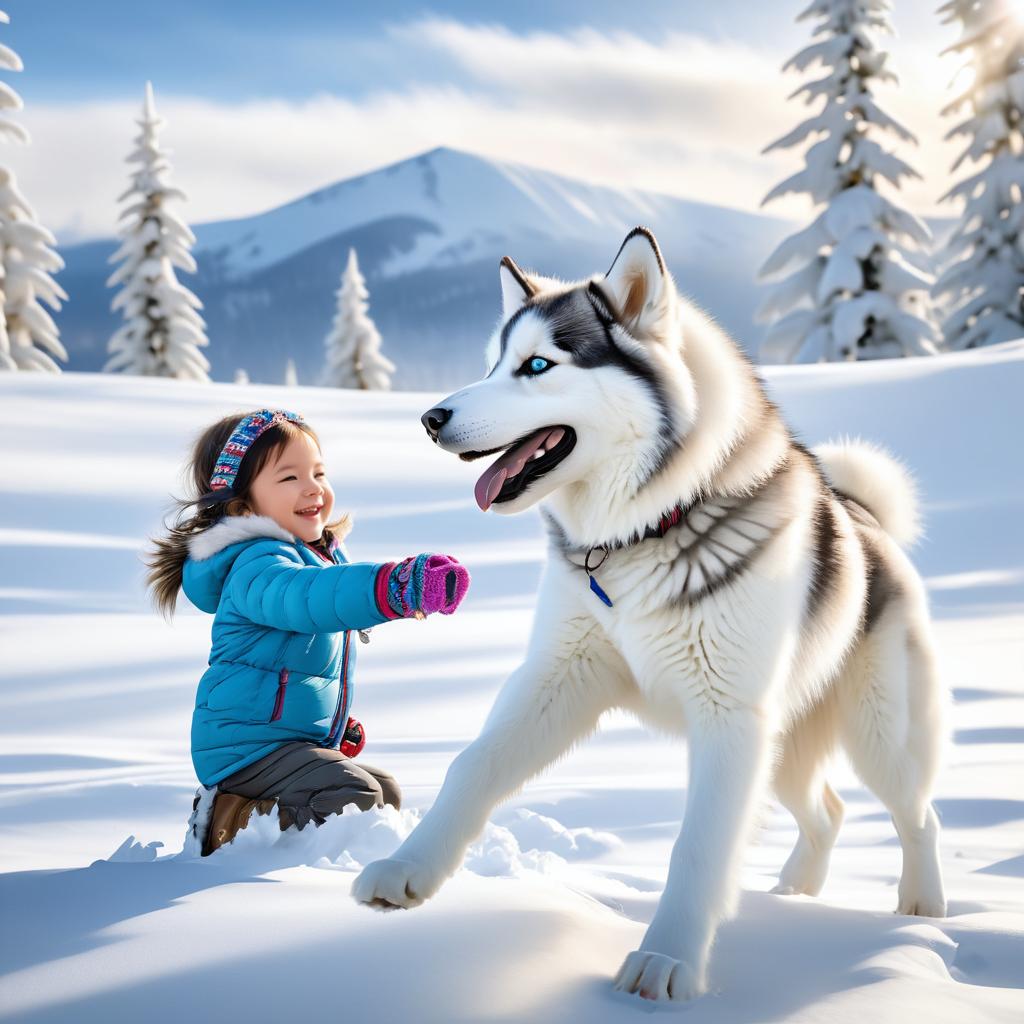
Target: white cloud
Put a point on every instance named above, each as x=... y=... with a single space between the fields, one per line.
x=687 y=116
x=685 y=84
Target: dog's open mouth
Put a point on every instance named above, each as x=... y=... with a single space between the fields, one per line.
x=524 y=461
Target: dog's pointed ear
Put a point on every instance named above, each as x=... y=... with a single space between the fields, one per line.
x=515 y=286
x=638 y=284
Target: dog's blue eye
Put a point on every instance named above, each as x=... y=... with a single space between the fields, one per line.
x=538 y=364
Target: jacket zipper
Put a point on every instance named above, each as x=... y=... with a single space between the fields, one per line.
x=326 y=558
x=341 y=694
x=282 y=685
x=364 y=634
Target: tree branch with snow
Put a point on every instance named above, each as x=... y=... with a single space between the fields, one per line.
x=29 y=338
x=353 y=355
x=162 y=331
x=854 y=284
x=981 y=287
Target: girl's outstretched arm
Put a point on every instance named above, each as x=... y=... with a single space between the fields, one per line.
x=270 y=584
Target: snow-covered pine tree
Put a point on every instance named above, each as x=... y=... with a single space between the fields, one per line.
x=982 y=285
x=28 y=336
x=162 y=332
x=291 y=378
x=354 y=358
x=856 y=286
x=241 y=376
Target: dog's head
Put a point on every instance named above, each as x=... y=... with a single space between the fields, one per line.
x=586 y=383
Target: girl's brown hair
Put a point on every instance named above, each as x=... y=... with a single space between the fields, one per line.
x=166 y=558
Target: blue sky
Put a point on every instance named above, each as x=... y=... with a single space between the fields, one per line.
x=100 y=49
x=266 y=101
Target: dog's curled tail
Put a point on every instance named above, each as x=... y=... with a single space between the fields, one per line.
x=876 y=480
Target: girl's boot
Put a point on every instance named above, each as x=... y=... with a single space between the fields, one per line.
x=230 y=815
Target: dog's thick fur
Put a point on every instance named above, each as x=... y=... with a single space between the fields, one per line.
x=778 y=620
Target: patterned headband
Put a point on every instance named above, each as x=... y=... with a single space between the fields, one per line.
x=225 y=472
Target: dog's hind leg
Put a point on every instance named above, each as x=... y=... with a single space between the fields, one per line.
x=550 y=703
x=892 y=725
x=801 y=788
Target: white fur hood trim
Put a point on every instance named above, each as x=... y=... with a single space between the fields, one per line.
x=232 y=529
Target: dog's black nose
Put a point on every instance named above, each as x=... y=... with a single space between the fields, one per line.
x=434 y=420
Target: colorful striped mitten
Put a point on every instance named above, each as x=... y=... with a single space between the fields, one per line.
x=426 y=583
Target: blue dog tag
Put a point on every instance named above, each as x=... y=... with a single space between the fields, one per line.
x=596 y=588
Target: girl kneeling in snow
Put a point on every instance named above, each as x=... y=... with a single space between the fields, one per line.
x=261 y=551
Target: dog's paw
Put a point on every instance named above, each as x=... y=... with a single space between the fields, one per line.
x=390 y=884
x=658 y=977
x=922 y=906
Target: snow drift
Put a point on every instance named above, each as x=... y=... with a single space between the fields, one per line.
x=96 y=693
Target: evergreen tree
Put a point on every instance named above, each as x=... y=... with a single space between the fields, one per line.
x=291 y=378
x=162 y=332
x=982 y=285
x=354 y=358
x=28 y=335
x=241 y=376
x=856 y=286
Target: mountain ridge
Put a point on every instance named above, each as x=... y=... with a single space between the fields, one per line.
x=429 y=231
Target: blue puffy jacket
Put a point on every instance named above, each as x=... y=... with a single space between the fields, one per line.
x=282 y=646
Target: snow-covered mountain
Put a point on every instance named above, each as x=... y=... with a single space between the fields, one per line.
x=429 y=232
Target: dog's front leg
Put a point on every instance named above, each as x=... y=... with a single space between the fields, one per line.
x=729 y=756
x=553 y=700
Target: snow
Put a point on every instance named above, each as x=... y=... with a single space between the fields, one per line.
x=96 y=694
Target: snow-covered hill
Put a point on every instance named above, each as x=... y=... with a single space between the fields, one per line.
x=96 y=694
x=429 y=231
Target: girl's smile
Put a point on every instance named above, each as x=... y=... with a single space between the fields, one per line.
x=293 y=490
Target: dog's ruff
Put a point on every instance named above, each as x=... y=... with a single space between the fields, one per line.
x=778 y=620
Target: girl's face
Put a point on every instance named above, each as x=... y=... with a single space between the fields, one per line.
x=293 y=489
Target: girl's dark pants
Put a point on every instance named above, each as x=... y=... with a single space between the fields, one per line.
x=306 y=781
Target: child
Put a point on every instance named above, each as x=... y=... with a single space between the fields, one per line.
x=262 y=552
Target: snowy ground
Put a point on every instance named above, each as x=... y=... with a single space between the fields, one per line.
x=96 y=693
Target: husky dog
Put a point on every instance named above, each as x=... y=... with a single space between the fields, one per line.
x=707 y=573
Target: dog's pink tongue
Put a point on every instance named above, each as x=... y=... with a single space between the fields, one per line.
x=489 y=486
x=493 y=479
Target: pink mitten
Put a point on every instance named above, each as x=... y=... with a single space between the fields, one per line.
x=445 y=583
x=423 y=584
